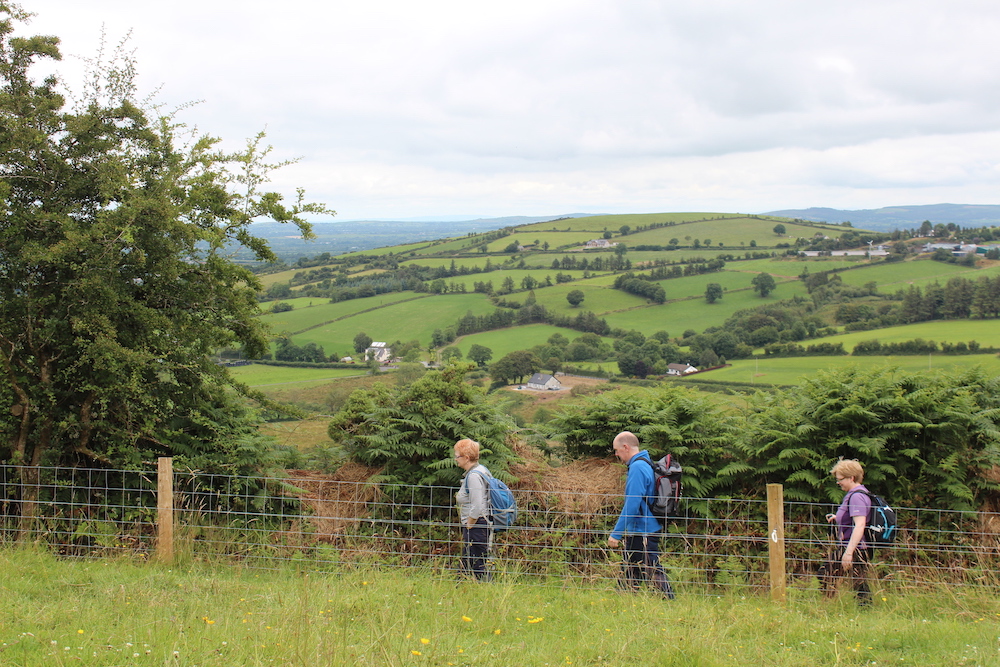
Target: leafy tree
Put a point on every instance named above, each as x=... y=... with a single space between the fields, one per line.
x=115 y=277
x=779 y=229
x=926 y=440
x=480 y=354
x=282 y=307
x=515 y=366
x=362 y=342
x=449 y=353
x=713 y=292
x=410 y=431
x=575 y=297
x=678 y=420
x=763 y=284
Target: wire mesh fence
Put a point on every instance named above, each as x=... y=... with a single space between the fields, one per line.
x=718 y=546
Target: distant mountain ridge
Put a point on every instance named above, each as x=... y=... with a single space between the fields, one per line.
x=901 y=217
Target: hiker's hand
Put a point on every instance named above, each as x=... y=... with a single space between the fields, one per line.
x=613 y=543
x=830 y=518
x=847 y=560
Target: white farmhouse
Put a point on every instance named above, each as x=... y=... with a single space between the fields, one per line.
x=543 y=381
x=380 y=352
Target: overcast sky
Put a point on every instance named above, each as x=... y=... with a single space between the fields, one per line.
x=541 y=107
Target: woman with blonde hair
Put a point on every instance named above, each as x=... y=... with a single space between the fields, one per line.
x=852 y=556
x=473 y=509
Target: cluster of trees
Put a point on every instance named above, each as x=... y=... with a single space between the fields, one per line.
x=286 y=350
x=641 y=286
x=917 y=346
x=598 y=263
x=557 y=351
x=767 y=324
x=638 y=356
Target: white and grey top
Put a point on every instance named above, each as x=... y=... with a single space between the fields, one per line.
x=472 y=498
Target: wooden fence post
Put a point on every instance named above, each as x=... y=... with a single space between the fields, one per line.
x=165 y=509
x=776 y=539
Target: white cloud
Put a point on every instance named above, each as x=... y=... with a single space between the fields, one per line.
x=404 y=109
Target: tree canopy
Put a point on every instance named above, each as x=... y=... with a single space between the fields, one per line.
x=115 y=282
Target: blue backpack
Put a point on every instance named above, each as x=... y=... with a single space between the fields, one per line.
x=503 y=507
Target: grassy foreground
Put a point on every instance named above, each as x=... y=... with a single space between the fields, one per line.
x=57 y=612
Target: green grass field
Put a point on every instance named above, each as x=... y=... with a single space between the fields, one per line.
x=985 y=332
x=259 y=375
x=730 y=232
x=324 y=311
x=791 y=371
x=412 y=320
x=108 y=613
x=676 y=317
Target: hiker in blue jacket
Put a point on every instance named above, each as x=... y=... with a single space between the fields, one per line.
x=473 y=510
x=637 y=527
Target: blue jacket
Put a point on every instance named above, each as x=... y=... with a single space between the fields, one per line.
x=636 y=517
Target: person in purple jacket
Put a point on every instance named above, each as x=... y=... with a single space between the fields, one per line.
x=852 y=555
x=636 y=527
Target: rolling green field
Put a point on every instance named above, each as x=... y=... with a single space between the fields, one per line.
x=324 y=311
x=985 y=332
x=791 y=371
x=730 y=232
x=258 y=375
x=412 y=320
x=675 y=317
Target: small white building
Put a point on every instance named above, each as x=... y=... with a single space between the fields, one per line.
x=680 y=369
x=542 y=381
x=600 y=243
x=380 y=352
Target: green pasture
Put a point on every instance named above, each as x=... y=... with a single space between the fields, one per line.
x=890 y=276
x=689 y=286
x=790 y=267
x=678 y=316
x=259 y=375
x=792 y=370
x=449 y=245
x=985 y=332
x=730 y=232
x=405 y=321
x=476 y=261
x=124 y=611
x=298 y=303
x=598 y=298
x=517 y=275
x=324 y=311
x=505 y=341
x=555 y=239
x=900 y=275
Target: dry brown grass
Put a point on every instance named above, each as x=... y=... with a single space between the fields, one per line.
x=337 y=501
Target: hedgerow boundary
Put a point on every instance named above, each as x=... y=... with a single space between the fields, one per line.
x=719 y=545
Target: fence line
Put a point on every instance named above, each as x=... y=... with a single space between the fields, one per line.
x=719 y=545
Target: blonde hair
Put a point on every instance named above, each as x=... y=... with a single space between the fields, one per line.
x=849 y=468
x=467 y=448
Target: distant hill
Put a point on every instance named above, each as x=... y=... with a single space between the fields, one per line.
x=901 y=217
x=348 y=236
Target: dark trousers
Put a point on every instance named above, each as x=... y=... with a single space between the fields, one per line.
x=859 y=573
x=642 y=563
x=475 y=549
